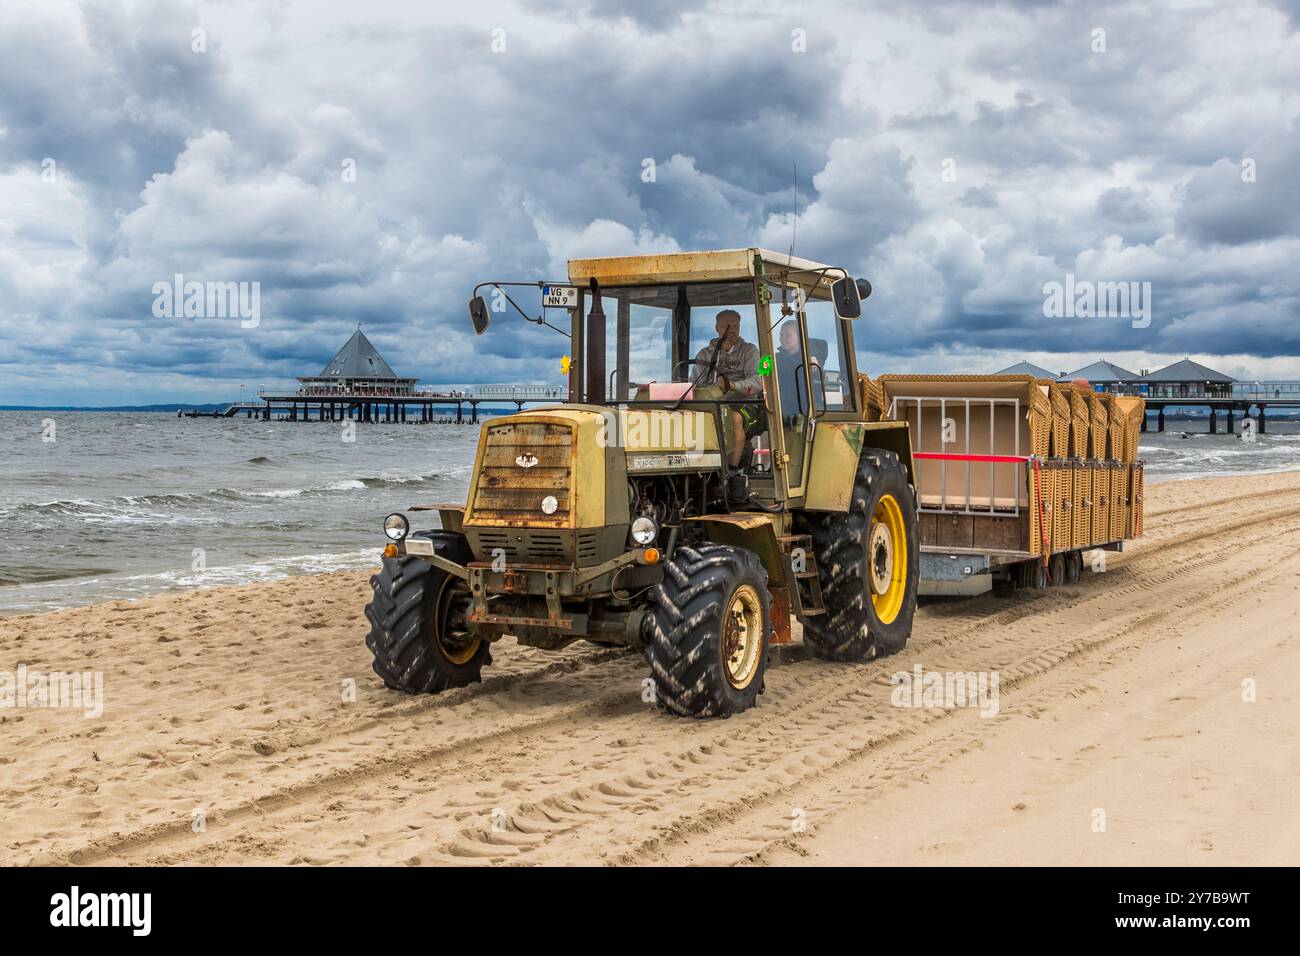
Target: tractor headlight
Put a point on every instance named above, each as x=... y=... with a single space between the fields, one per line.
x=644 y=530
x=396 y=527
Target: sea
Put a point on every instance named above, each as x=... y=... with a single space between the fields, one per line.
x=104 y=506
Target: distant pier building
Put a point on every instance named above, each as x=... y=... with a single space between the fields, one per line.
x=357 y=370
x=358 y=384
x=1182 y=384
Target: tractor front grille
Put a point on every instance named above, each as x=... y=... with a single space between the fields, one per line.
x=523 y=546
x=524 y=462
x=588 y=547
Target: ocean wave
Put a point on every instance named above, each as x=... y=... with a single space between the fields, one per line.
x=394 y=481
x=118 y=511
x=37 y=575
x=96 y=586
x=125 y=509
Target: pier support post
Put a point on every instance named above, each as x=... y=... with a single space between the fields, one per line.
x=1214 y=421
x=1144 y=421
x=460 y=418
x=1261 y=420
x=473 y=413
x=1230 y=423
x=1160 y=420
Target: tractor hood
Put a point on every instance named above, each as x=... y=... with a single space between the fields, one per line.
x=566 y=467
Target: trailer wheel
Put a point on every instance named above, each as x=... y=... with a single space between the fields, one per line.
x=1057 y=568
x=710 y=629
x=868 y=562
x=1035 y=575
x=417 y=627
x=1073 y=567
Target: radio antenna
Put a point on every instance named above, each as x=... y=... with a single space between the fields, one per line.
x=794 y=225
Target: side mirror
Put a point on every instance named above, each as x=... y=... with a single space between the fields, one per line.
x=478 y=314
x=864 y=289
x=848 y=302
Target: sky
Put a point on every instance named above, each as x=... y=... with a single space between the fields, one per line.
x=370 y=163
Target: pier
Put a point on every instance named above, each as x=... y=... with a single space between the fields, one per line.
x=1184 y=384
x=1237 y=399
x=418 y=405
x=359 y=385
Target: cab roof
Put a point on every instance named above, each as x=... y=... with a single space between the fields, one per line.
x=707 y=266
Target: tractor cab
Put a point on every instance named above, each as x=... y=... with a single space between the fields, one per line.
x=759 y=344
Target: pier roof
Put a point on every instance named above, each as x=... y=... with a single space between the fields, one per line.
x=358 y=359
x=1102 y=371
x=1187 y=371
x=1028 y=368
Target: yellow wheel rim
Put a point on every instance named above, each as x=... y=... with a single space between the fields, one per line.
x=887 y=559
x=742 y=637
x=454 y=641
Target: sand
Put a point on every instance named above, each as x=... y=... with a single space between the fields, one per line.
x=1121 y=737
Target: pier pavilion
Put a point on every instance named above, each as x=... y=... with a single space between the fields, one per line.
x=359 y=385
x=1184 y=384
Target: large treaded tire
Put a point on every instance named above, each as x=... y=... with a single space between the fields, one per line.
x=404 y=639
x=685 y=649
x=851 y=630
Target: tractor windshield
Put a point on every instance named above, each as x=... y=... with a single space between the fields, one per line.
x=705 y=334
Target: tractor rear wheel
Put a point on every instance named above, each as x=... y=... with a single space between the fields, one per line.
x=417 y=622
x=710 y=628
x=868 y=560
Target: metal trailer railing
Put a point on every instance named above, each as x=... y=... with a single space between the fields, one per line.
x=966 y=457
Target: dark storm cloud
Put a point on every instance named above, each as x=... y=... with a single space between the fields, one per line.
x=497 y=143
x=1250 y=199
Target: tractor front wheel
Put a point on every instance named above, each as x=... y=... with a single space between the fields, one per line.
x=417 y=622
x=710 y=629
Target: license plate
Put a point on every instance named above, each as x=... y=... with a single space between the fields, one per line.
x=559 y=297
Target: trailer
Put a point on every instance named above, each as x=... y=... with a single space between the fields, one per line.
x=1016 y=478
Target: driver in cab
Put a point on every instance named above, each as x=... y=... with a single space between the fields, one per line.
x=731 y=364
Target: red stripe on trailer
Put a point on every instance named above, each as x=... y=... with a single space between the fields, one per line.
x=1011 y=459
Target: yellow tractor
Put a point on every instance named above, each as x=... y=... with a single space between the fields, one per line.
x=718 y=468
